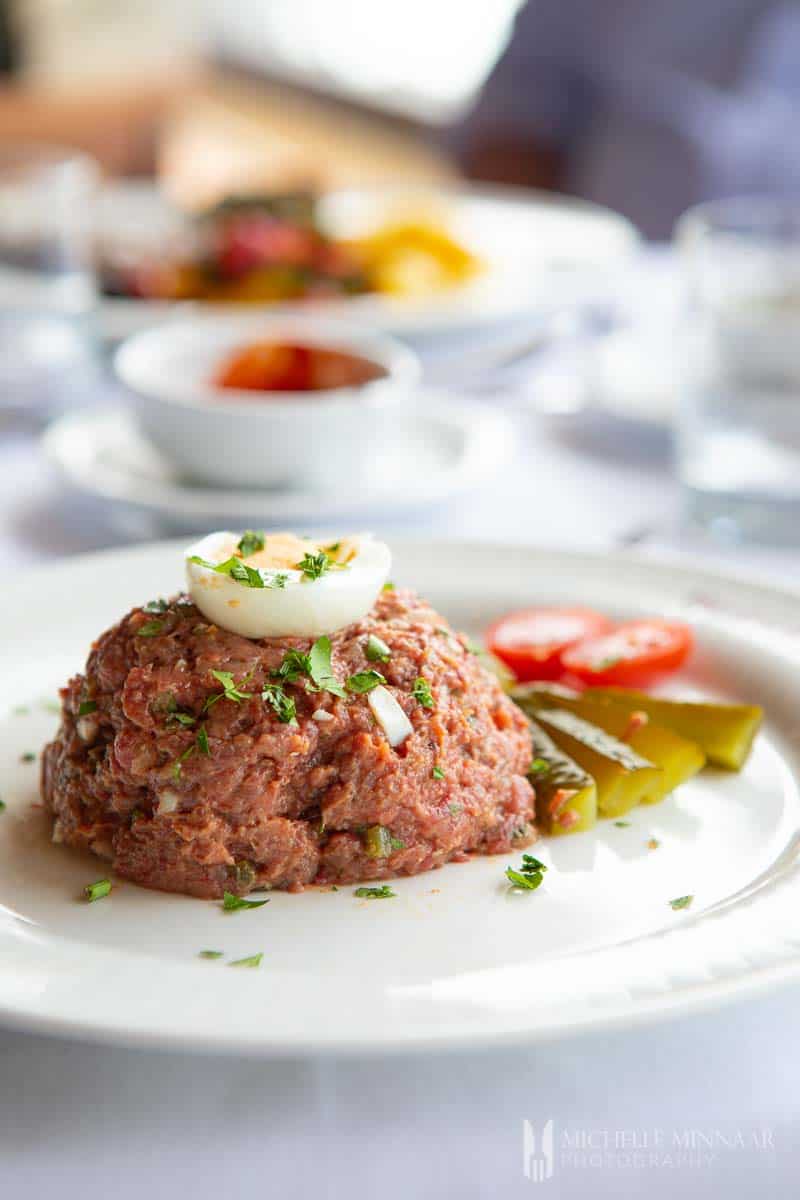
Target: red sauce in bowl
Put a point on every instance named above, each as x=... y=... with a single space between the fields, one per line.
x=293 y=367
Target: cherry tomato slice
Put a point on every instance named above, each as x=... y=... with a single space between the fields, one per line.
x=633 y=654
x=532 y=642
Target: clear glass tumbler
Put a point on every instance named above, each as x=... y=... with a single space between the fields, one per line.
x=738 y=438
x=47 y=280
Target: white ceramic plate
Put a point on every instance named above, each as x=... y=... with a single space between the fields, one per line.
x=440 y=447
x=541 y=251
x=456 y=959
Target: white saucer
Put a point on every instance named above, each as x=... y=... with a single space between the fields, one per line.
x=442 y=446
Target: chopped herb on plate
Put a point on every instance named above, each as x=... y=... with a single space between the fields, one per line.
x=27 y=757
x=202 y=741
x=2 y=806
x=622 y=824
x=681 y=902
x=437 y=773
x=375 y=893
x=254 y=960
x=529 y=875
x=211 y=954
x=96 y=891
x=539 y=766
x=388 y=586
x=86 y=707
x=232 y=903
x=155 y=606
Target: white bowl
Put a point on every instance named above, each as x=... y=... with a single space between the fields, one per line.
x=261 y=439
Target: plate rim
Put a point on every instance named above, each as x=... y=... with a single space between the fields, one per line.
x=685 y=1000
x=487 y=441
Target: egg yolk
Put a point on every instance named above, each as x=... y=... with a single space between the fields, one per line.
x=283 y=551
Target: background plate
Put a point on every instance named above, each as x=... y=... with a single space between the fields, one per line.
x=456 y=959
x=541 y=251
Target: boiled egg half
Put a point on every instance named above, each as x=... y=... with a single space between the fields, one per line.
x=280 y=585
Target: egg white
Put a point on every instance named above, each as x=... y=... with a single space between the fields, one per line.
x=303 y=607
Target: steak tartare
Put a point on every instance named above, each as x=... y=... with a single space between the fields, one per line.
x=200 y=761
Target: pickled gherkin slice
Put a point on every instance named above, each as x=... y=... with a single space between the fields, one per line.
x=622 y=776
x=566 y=796
x=678 y=758
x=724 y=732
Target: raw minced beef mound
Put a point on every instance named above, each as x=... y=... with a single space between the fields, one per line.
x=262 y=802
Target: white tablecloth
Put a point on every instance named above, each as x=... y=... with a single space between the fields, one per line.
x=705 y=1106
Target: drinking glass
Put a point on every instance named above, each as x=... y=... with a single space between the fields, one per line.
x=738 y=442
x=47 y=284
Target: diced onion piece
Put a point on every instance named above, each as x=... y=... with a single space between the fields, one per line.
x=321 y=714
x=87 y=728
x=168 y=801
x=389 y=715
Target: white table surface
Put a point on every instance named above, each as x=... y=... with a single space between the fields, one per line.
x=701 y=1107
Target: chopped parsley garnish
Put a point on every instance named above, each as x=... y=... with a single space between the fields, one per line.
x=254 y=960
x=2 y=806
x=294 y=666
x=251 y=542
x=529 y=875
x=334 y=548
x=437 y=773
x=314 y=566
x=150 y=629
x=379 y=842
x=282 y=705
x=177 y=766
x=376 y=649
x=202 y=741
x=622 y=824
x=86 y=707
x=316 y=666
x=182 y=718
x=96 y=891
x=320 y=669
x=421 y=691
x=211 y=954
x=232 y=903
x=155 y=606
x=230 y=690
x=375 y=893
x=539 y=766
x=681 y=902
x=364 y=681
x=27 y=757
x=388 y=586
x=236 y=569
